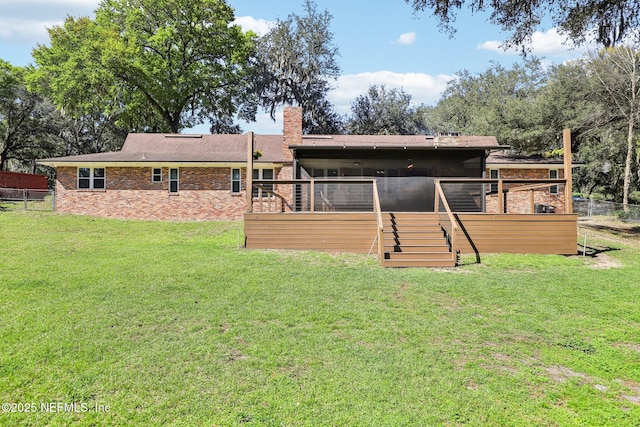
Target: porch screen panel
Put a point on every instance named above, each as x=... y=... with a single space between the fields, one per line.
x=407 y=194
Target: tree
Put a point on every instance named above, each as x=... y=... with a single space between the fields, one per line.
x=160 y=65
x=610 y=21
x=20 y=115
x=296 y=61
x=498 y=102
x=617 y=72
x=383 y=112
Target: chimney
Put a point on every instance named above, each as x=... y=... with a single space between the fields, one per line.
x=292 y=125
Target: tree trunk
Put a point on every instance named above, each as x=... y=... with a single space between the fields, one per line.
x=627 y=165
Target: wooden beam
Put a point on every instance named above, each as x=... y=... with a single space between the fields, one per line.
x=568 y=188
x=249 y=179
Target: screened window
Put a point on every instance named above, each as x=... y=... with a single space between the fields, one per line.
x=553 y=174
x=236 y=181
x=156 y=175
x=174 y=180
x=91 y=178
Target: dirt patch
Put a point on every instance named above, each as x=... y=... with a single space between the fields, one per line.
x=633 y=397
x=603 y=261
x=562 y=374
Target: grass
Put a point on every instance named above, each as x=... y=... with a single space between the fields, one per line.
x=173 y=324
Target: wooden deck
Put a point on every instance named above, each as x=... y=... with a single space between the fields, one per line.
x=412 y=239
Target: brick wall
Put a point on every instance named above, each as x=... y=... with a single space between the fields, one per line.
x=205 y=194
x=520 y=201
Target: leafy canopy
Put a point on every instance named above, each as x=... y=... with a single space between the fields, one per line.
x=160 y=64
x=607 y=21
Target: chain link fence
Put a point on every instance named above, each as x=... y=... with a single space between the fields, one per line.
x=590 y=207
x=27 y=200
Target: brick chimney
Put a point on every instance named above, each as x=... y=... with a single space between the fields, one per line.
x=292 y=125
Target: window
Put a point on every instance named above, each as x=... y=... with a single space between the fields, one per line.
x=173 y=181
x=236 y=183
x=553 y=174
x=156 y=175
x=263 y=174
x=91 y=178
x=494 y=174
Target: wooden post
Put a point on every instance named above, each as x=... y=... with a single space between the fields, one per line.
x=249 y=179
x=436 y=207
x=568 y=188
x=500 y=197
x=312 y=195
x=532 y=201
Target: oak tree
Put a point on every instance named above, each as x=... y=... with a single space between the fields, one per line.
x=161 y=65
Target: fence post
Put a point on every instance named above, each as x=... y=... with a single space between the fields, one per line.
x=53 y=200
x=24 y=198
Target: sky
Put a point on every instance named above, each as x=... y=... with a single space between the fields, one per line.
x=381 y=43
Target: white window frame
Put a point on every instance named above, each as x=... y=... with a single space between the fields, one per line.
x=238 y=181
x=154 y=175
x=172 y=180
x=92 y=178
x=257 y=192
x=553 y=189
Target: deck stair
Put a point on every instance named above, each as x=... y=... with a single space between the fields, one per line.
x=415 y=240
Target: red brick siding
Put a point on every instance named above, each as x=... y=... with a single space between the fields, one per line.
x=205 y=194
x=292 y=132
x=520 y=201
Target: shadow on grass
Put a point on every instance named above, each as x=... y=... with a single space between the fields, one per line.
x=593 y=252
x=622 y=230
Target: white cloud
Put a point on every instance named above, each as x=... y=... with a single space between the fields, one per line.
x=407 y=38
x=259 y=26
x=25 y=31
x=26 y=21
x=548 y=43
x=423 y=88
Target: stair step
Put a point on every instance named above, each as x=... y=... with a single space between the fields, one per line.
x=417 y=255
x=418 y=263
x=415 y=240
x=416 y=249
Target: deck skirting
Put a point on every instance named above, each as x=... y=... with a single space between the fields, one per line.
x=357 y=232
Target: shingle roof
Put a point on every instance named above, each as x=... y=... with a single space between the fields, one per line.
x=398 y=141
x=506 y=157
x=152 y=148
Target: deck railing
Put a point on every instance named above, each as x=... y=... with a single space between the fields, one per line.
x=479 y=189
x=314 y=195
x=446 y=219
x=357 y=195
x=380 y=224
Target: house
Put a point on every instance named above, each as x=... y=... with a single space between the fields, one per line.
x=417 y=200
x=167 y=177
x=504 y=164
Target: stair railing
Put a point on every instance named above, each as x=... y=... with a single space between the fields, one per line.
x=380 y=225
x=446 y=220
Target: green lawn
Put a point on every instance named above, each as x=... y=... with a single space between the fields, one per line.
x=150 y=323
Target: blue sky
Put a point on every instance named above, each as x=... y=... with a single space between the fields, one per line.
x=382 y=42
